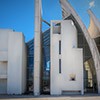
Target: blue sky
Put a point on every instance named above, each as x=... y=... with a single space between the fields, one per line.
x=19 y=14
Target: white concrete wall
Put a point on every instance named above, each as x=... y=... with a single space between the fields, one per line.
x=16 y=76
x=71 y=60
x=3 y=55
x=24 y=63
x=4 y=44
x=12 y=62
x=4 y=39
x=3 y=60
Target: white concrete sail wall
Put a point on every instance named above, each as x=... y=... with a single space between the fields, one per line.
x=67 y=9
x=71 y=60
x=94 y=27
x=37 y=47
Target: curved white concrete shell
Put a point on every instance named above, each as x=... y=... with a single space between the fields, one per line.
x=67 y=10
x=94 y=27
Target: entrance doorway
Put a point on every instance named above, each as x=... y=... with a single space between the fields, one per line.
x=90 y=81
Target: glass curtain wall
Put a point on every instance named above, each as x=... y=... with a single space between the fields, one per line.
x=45 y=71
x=90 y=81
x=30 y=63
x=46 y=62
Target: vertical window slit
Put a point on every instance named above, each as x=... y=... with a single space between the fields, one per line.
x=60 y=47
x=59 y=65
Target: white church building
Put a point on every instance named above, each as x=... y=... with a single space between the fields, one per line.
x=65 y=59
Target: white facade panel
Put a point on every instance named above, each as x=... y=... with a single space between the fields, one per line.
x=3 y=56
x=4 y=39
x=15 y=64
x=12 y=62
x=71 y=61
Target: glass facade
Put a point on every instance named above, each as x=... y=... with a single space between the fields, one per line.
x=90 y=81
x=30 y=63
x=46 y=62
x=45 y=71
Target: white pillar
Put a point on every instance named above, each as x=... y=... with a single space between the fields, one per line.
x=37 y=48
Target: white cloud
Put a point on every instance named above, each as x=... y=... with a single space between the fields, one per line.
x=92 y=4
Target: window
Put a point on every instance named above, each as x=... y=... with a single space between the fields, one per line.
x=60 y=47
x=59 y=65
x=72 y=77
x=57 y=28
x=48 y=66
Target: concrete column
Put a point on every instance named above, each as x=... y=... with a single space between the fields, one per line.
x=37 y=48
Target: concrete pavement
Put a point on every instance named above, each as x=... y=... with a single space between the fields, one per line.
x=47 y=97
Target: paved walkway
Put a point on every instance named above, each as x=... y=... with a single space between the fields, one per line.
x=30 y=97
